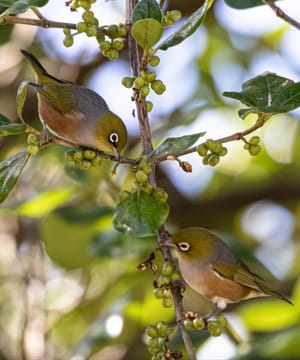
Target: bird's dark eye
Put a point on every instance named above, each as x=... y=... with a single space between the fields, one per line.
x=184 y=246
x=113 y=138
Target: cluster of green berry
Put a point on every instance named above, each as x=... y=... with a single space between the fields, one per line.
x=162 y=289
x=33 y=144
x=211 y=151
x=144 y=82
x=252 y=145
x=84 y=159
x=109 y=38
x=170 y=16
x=157 y=340
x=214 y=327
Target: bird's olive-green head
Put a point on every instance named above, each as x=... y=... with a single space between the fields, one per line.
x=195 y=243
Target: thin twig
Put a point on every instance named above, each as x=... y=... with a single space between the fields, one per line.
x=262 y=119
x=281 y=14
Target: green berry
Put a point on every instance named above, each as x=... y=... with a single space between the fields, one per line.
x=88 y=16
x=33 y=139
x=127 y=81
x=144 y=90
x=151 y=331
x=162 y=329
x=85 y=164
x=158 y=293
x=153 y=345
x=148 y=188
x=113 y=54
x=141 y=176
x=97 y=161
x=149 y=106
x=175 y=276
x=68 y=41
x=254 y=140
x=223 y=151
x=69 y=155
x=254 y=150
x=214 y=328
x=84 y=4
x=122 y=30
x=158 y=87
x=67 y=32
x=167 y=302
x=160 y=195
x=202 y=150
x=167 y=293
x=150 y=76
x=117 y=45
x=168 y=21
x=105 y=46
x=247 y=146
x=163 y=280
x=91 y=30
x=147 y=168
x=188 y=324
x=154 y=61
x=199 y=323
x=81 y=27
x=222 y=321
x=33 y=149
x=100 y=37
x=175 y=15
x=168 y=268
x=113 y=31
x=213 y=146
x=89 y=154
x=139 y=82
x=205 y=159
x=213 y=159
x=78 y=156
x=123 y=195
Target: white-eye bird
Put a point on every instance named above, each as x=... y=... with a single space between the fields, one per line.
x=75 y=113
x=210 y=267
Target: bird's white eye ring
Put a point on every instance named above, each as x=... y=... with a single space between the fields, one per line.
x=113 y=138
x=184 y=246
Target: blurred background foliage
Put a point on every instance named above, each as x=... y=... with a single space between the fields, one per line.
x=69 y=285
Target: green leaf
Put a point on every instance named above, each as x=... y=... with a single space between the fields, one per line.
x=244 y=4
x=175 y=145
x=21 y=97
x=188 y=27
x=267 y=93
x=9 y=128
x=45 y=202
x=10 y=170
x=140 y=215
x=147 y=9
x=147 y=32
x=20 y=6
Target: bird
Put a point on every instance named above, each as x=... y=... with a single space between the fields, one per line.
x=210 y=267
x=76 y=113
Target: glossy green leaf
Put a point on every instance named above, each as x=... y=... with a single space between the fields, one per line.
x=147 y=32
x=244 y=4
x=147 y=9
x=267 y=93
x=21 y=97
x=175 y=145
x=188 y=27
x=140 y=215
x=19 y=6
x=9 y=128
x=10 y=170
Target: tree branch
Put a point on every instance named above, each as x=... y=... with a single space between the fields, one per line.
x=136 y=64
x=281 y=14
